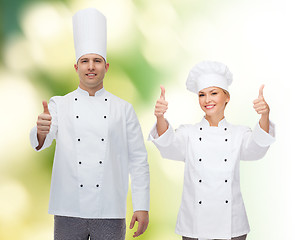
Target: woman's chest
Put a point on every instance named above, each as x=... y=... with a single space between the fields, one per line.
x=213 y=149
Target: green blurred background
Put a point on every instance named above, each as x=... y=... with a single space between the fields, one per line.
x=149 y=43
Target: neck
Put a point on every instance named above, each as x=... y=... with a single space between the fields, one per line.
x=91 y=91
x=214 y=120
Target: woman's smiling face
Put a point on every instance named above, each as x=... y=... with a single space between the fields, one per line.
x=213 y=100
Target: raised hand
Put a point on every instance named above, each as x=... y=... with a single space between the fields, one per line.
x=161 y=104
x=260 y=105
x=44 y=121
x=160 y=109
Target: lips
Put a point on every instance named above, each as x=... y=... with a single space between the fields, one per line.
x=209 y=106
x=91 y=75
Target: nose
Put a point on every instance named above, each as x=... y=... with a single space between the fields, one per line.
x=91 y=65
x=208 y=98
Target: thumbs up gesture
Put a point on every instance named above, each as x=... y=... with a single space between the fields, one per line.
x=161 y=104
x=260 y=105
x=44 y=121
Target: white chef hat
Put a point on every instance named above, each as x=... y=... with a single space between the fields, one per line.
x=208 y=74
x=90 y=33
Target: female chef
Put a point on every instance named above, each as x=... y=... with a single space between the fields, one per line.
x=212 y=206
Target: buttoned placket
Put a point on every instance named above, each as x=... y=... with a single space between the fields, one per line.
x=200 y=159
x=103 y=140
x=79 y=140
x=226 y=162
x=102 y=117
x=200 y=138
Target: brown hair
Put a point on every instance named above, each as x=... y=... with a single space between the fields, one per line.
x=227 y=93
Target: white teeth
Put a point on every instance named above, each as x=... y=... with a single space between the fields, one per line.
x=91 y=74
x=209 y=107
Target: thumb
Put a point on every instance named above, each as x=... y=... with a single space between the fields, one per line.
x=162 y=92
x=45 y=107
x=261 y=91
x=132 y=222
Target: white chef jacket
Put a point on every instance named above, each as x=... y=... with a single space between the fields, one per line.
x=212 y=206
x=98 y=144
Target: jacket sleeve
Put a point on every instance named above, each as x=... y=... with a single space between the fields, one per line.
x=256 y=143
x=171 y=144
x=138 y=164
x=52 y=132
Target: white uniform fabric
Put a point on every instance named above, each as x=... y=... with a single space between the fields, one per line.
x=98 y=144
x=90 y=33
x=212 y=206
x=208 y=74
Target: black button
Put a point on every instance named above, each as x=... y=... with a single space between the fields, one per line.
x=97 y=185
x=78 y=139
x=225 y=129
x=80 y=162
x=105 y=116
x=226 y=139
x=102 y=139
x=225 y=180
x=77 y=116
x=226 y=201
x=201 y=128
x=200 y=139
x=200 y=180
x=200 y=160
x=100 y=162
x=105 y=99
x=200 y=202
x=81 y=185
x=76 y=99
x=225 y=160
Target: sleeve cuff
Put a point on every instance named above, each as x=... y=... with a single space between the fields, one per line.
x=165 y=139
x=33 y=138
x=141 y=201
x=263 y=138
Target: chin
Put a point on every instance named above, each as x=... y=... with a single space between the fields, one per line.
x=208 y=111
x=210 y=114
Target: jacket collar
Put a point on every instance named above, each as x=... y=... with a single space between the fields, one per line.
x=205 y=123
x=85 y=93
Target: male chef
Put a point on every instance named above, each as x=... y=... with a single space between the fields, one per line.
x=98 y=144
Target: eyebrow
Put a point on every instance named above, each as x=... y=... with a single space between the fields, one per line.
x=214 y=89
x=97 y=58
x=209 y=91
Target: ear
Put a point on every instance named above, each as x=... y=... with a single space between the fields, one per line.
x=76 y=67
x=107 y=65
x=227 y=96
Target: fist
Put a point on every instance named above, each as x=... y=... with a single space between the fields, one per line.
x=260 y=105
x=161 y=105
x=44 y=121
